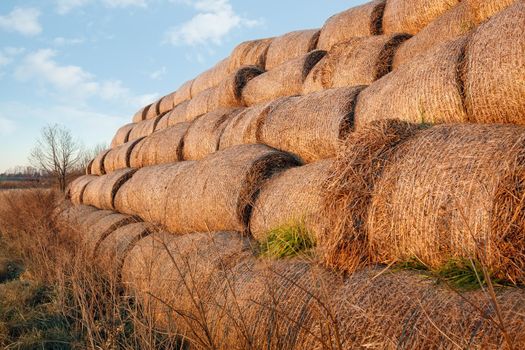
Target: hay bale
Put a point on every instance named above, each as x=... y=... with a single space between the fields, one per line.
x=88 y=167
x=410 y=16
x=249 y=53
x=97 y=167
x=482 y=10
x=495 y=69
x=284 y=80
x=210 y=78
x=359 y=21
x=183 y=93
x=203 y=136
x=292 y=198
x=359 y=61
x=163 y=146
x=99 y=229
x=173 y=117
x=291 y=45
x=166 y=103
x=141 y=114
x=101 y=191
x=71 y=216
x=144 y=128
x=200 y=104
x=310 y=126
x=120 y=157
x=145 y=194
x=154 y=110
x=428 y=89
x=220 y=197
x=75 y=189
x=122 y=135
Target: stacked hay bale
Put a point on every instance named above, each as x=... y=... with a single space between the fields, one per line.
x=289 y=46
x=120 y=156
x=100 y=192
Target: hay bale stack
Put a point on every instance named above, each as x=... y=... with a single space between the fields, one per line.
x=290 y=199
x=291 y=45
x=173 y=117
x=199 y=104
x=310 y=126
x=249 y=53
x=120 y=157
x=410 y=16
x=153 y=111
x=203 y=136
x=166 y=103
x=284 y=80
x=101 y=228
x=481 y=9
x=145 y=194
x=144 y=128
x=97 y=166
x=359 y=61
x=210 y=78
x=495 y=69
x=141 y=114
x=88 y=167
x=122 y=135
x=71 y=216
x=75 y=190
x=359 y=21
x=183 y=93
x=101 y=192
x=163 y=146
x=428 y=89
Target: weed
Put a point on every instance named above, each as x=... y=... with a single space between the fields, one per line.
x=287 y=241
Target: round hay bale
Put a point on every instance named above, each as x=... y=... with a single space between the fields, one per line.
x=310 y=126
x=145 y=194
x=203 y=136
x=481 y=9
x=97 y=167
x=284 y=80
x=410 y=16
x=166 y=103
x=291 y=45
x=249 y=53
x=359 y=21
x=153 y=111
x=217 y=192
x=100 y=229
x=76 y=188
x=359 y=61
x=173 y=117
x=163 y=146
x=144 y=128
x=290 y=199
x=494 y=73
x=242 y=128
x=69 y=219
x=200 y=104
x=428 y=89
x=100 y=192
x=210 y=78
x=141 y=114
x=120 y=157
x=88 y=167
x=122 y=135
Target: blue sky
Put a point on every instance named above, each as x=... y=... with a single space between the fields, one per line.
x=90 y=64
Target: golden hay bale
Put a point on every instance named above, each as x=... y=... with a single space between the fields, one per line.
x=70 y=217
x=359 y=61
x=144 y=128
x=249 y=53
x=183 y=93
x=97 y=167
x=291 y=45
x=120 y=157
x=173 y=117
x=427 y=89
x=75 y=189
x=163 y=146
x=203 y=136
x=98 y=230
x=310 y=126
x=210 y=78
x=166 y=103
x=122 y=135
x=360 y=21
x=101 y=191
x=145 y=194
x=481 y=9
x=410 y=16
x=495 y=69
x=284 y=80
x=141 y=114
x=88 y=167
x=291 y=198
x=153 y=111
x=199 y=104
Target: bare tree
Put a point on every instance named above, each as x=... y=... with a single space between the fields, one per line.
x=88 y=154
x=56 y=153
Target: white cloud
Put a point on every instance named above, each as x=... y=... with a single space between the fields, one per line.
x=22 y=20
x=7 y=54
x=125 y=3
x=65 y=6
x=158 y=74
x=7 y=126
x=61 y=41
x=214 y=20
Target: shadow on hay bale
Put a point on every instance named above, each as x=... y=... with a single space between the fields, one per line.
x=250 y=53
x=97 y=166
x=291 y=45
x=176 y=115
x=144 y=128
x=122 y=135
x=100 y=192
x=140 y=115
x=120 y=156
x=75 y=190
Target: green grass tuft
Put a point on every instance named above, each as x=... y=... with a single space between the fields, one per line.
x=287 y=241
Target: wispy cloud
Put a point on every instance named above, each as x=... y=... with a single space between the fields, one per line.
x=61 y=41
x=158 y=74
x=215 y=19
x=7 y=55
x=65 y=6
x=22 y=20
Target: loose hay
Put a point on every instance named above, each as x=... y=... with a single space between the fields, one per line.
x=249 y=53
x=101 y=191
x=203 y=136
x=291 y=45
x=284 y=80
x=310 y=126
x=428 y=89
x=122 y=135
x=163 y=146
x=359 y=21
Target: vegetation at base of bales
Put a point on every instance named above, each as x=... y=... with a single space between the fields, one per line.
x=288 y=240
